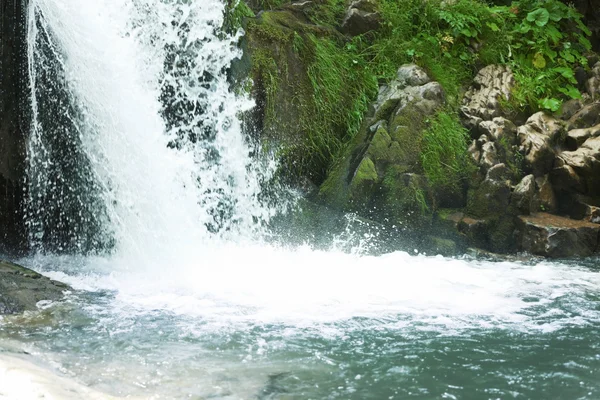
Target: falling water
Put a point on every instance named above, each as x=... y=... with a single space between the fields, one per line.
x=136 y=141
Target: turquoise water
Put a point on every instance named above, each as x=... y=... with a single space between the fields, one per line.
x=467 y=330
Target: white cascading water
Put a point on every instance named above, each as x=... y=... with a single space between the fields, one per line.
x=145 y=89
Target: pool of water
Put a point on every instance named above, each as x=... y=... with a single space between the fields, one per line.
x=261 y=322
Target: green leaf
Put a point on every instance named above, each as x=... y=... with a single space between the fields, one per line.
x=571 y=91
x=550 y=104
x=539 y=61
x=493 y=26
x=585 y=43
x=566 y=72
x=567 y=56
x=539 y=16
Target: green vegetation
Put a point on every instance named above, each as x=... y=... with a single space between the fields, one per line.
x=444 y=156
x=330 y=79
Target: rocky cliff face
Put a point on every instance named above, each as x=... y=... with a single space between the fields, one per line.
x=13 y=127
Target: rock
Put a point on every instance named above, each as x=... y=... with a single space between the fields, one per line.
x=522 y=196
x=475 y=231
x=544 y=198
x=13 y=129
x=570 y=108
x=585 y=208
x=584 y=163
x=587 y=117
x=21 y=289
x=362 y=17
x=482 y=102
x=538 y=137
x=553 y=236
x=499 y=129
x=442 y=246
x=593 y=83
x=576 y=137
x=498 y=172
x=489 y=155
x=490 y=199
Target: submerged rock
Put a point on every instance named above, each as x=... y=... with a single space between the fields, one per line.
x=553 y=236
x=21 y=289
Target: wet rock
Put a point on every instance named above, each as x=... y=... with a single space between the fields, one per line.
x=21 y=289
x=474 y=230
x=553 y=236
x=483 y=101
x=522 y=197
x=362 y=17
x=576 y=137
x=490 y=199
x=538 y=137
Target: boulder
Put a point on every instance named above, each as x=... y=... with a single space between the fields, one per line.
x=499 y=129
x=587 y=117
x=576 y=137
x=361 y=17
x=579 y=170
x=557 y=237
x=523 y=194
x=544 y=198
x=593 y=83
x=537 y=140
x=482 y=102
x=21 y=289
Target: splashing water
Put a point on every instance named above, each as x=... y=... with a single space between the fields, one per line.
x=145 y=196
x=136 y=142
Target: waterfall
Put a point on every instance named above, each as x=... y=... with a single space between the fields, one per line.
x=136 y=145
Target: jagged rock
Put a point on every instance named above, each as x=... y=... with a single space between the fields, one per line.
x=544 y=198
x=584 y=163
x=570 y=108
x=411 y=86
x=499 y=129
x=538 y=137
x=587 y=117
x=482 y=102
x=522 y=197
x=585 y=208
x=498 y=172
x=553 y=236
x=362 y=17
x=475 y=231
x=593 y=83
x=21 y=289
x=576 y=137
x=489 y=155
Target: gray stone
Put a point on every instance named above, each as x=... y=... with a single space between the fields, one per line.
x=361 y=17
x=499 y=129
x=544 y=198
x=585 y=163
x=498 y=172
x=538 y=137
x=576 y=137
x=21 y=289
x=522 y=196
x=491 y=85
x=587 y=117
x=593 y=84
x=553 y=236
